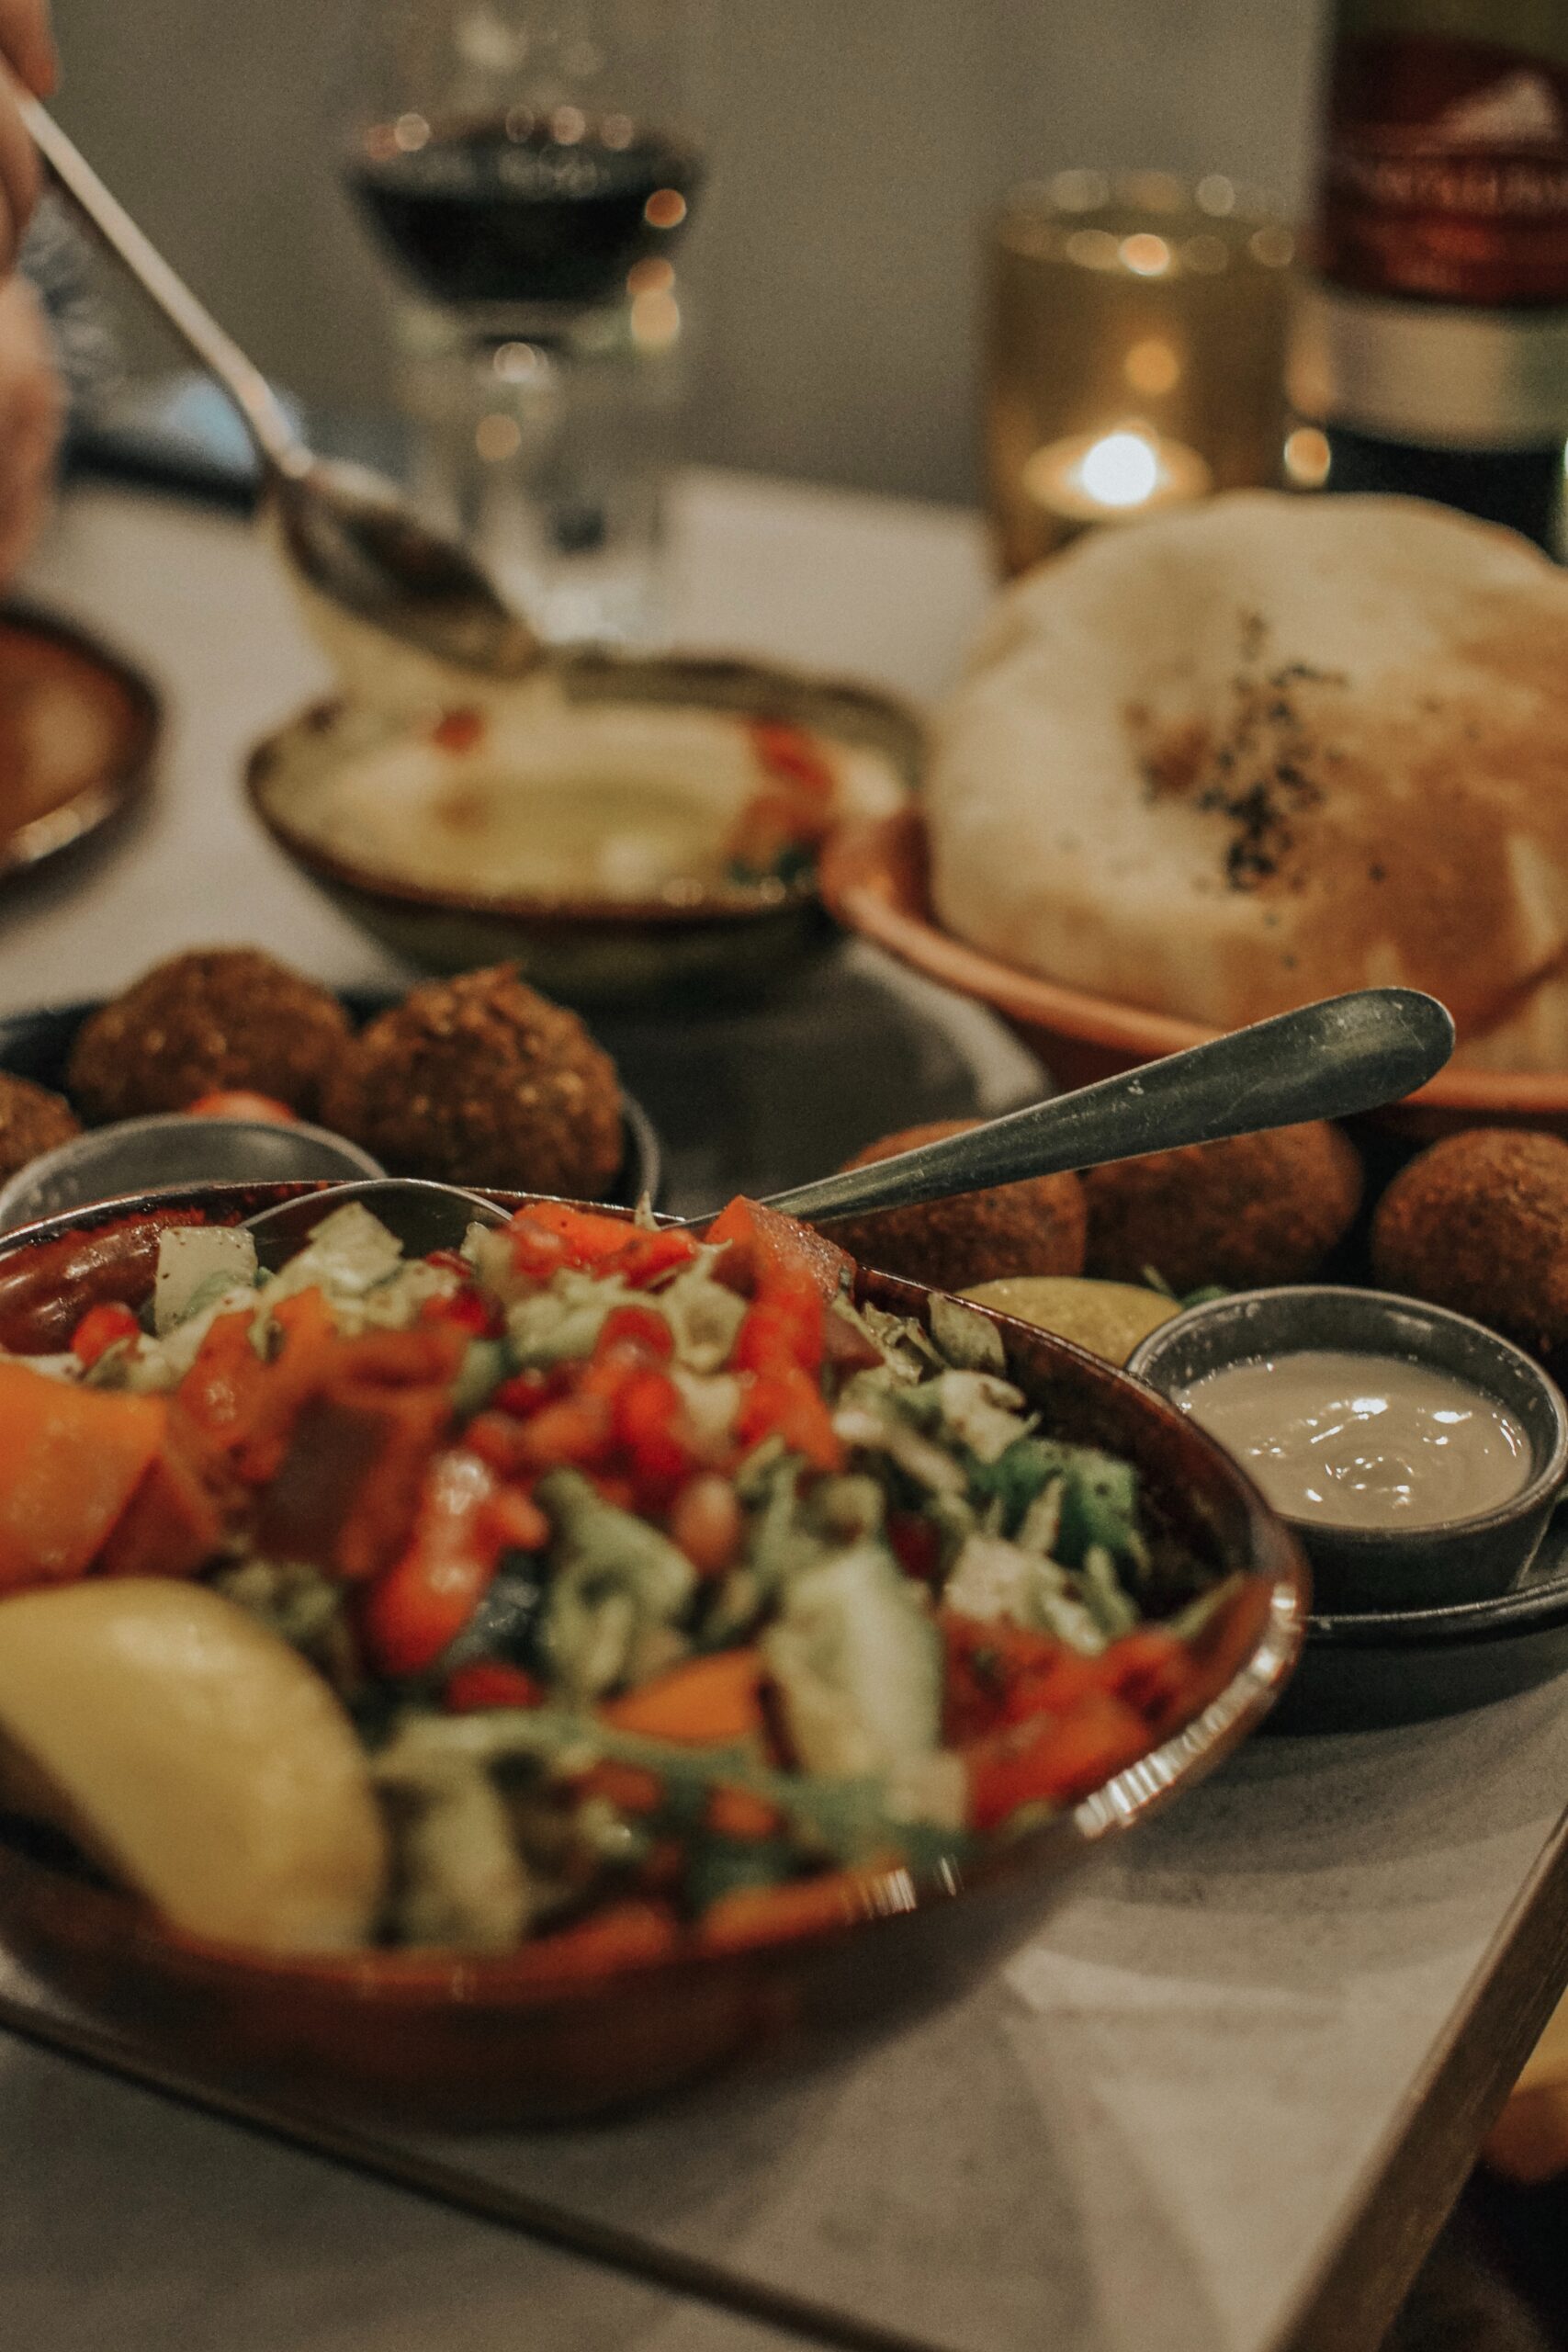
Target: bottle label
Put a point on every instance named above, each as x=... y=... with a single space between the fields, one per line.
x=1445 y=169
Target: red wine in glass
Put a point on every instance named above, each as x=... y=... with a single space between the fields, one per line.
x=502 y=215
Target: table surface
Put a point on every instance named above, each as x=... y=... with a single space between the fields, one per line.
x=1215 y=2106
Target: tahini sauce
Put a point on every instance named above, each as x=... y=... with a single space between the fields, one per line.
x=1363 y=1441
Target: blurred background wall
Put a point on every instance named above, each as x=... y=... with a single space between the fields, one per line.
x=856 y=145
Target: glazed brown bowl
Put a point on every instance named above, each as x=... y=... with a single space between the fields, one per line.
x=875 y=878
x=677 y=947
x=459 y=2039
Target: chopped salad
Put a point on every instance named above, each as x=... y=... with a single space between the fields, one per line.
x=666 y=1588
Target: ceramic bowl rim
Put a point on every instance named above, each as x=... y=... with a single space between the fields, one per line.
x=724 y=907
x=868 y=875
x=1545 y=1478
x=1278 y=1571
x=357 y=1161
x=122 y=783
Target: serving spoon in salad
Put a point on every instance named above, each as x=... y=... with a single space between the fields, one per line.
x=1326 y=1060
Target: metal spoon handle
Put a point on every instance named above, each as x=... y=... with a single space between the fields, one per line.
x=264 y=414
x=1326 y=1061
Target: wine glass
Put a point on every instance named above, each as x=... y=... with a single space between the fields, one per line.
x=529 y=166
x=519 y=158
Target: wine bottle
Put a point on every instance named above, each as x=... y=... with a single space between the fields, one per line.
x=1432 y=336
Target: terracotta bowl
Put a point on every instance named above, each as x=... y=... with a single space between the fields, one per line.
x=79 y=734
x=875 y=879
x=675 y=947
x=466 y=2040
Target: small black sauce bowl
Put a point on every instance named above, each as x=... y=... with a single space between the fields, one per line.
x=1359 y=1568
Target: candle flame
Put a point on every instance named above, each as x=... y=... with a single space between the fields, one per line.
x=1122 y=470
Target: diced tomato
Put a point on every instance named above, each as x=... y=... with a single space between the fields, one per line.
x=514 y=1522
x=640 y=1327
x=548 y=1234
x=788 y=1403
x=103 y=1328
x=459 y=729
x=1000 y=1674
x=784 y=1325
x=648 y=1418
x=428 y=1595
x=648 y=1255
x=1052 y=1758
x=522 y=1394
x=790 y=752
x=762 y=1245
x=239 y=1103
x=572 y=1430
x=464 y=1310
x=1154 y=1672
x=496 y=1439
x=488 y=1684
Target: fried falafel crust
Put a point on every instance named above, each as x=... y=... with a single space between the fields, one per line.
x=1246 y=1212
x=1479 y=1222
x=204 y=1022
x=1036 y=1227
x=32 y=1120
x=482 y=1080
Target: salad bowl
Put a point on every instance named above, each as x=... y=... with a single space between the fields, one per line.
x=461 y=2039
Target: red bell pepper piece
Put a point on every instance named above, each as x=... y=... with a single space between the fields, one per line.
x=428 y=1595
x=783 y=1325
x=1152 y=1670
x=787 y=1403
x=646 y=1256
x=1052 y=1758
x=577 y=1431
x=649 y=1415
x=464 y=1310
x=101 y=1328
x=488 y=1684
x=640 y=1327
x=548 y=1234
x=762 y=1245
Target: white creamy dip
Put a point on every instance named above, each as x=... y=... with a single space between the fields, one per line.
x=1363 y=1441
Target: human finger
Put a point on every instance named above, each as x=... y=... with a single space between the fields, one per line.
x=27 y=42
x=20 y=178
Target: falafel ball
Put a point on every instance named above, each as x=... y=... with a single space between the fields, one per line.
x=203 y=1022
x=1035 y=1228
x=1244 y=1213
x=1479 y=1222
x=32 y=1120
x=480 y=1081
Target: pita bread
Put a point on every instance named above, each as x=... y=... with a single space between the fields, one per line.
x=1269 y=748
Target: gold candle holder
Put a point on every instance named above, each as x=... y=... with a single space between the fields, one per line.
x=1135 y=352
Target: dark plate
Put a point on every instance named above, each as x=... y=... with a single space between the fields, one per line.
x=36 y=1044
x=462 y=2038
x=1360 y=1672
x=78 y=735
